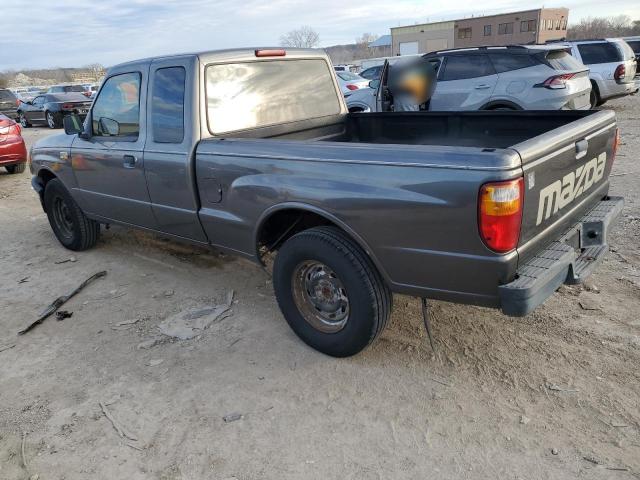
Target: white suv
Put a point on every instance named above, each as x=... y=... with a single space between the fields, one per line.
x=612 y=66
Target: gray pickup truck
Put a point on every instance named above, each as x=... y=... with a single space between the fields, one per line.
x=253 y=152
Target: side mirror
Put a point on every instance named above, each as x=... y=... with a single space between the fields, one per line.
x=72 y=124
x=374 y=84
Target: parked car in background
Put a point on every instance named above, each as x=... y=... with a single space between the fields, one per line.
x=13 y=153
x=372 y=73
x=350 y=81
x=49 y=109
x=612 y=66
x=66 y=89
x=494 y=78
x=634 y=43
x=344 y=68
x=8 y=103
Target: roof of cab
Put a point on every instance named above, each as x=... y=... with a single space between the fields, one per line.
x=239 y=54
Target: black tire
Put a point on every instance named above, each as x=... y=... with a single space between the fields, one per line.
x=53 y=119
x=69 y=224
x=594 y=97
x=369 y=300
x=19 y=168
x=23 y=121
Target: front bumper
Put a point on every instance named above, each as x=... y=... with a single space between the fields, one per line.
x=561 y=262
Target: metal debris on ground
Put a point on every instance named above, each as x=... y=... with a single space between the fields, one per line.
x=62 y=314
x=7 y=347
x=192 y=322
x=232 y=417
x=116 y=425
x=58 y=302
x=24 y=280
x=557 y=388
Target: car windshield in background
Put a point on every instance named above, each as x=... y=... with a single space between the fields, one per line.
x=635 y=45
x=562 y=60
x=348 y=76
x=627 y=50
x=594 y=53
x=66 y=97
x=73 y=88
x=7 y=95
x=248 y=95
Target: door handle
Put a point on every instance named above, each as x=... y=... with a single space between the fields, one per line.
x=581 y=148
x=129 y=161
x=482 y=86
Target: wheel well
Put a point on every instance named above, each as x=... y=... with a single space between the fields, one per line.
x=284 y=224
x=356 y=109
x=501 y=104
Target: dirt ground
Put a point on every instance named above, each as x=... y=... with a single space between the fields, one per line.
x=550 y=396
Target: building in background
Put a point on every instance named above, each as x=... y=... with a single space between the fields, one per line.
x=525 y=27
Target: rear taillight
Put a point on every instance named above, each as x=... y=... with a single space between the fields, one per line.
x=352 y=87
x=18 y=102
x=558 y=81
x=616 y=144
x=500 y=214
x=15 y=129
x=620 y=72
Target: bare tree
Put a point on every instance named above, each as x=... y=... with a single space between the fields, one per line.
x=303 y=37
x=601 y=27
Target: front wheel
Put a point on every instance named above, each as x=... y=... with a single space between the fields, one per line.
x=69 y=224
x=23 y=121
x=52 y=120
x=19 y=168
x=330 y=292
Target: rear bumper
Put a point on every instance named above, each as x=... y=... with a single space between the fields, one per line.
x=560 y=262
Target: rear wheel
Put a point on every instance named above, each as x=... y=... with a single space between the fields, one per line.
x=594 y=97
x=69 y=224
x=330 y=292
x=19 y=168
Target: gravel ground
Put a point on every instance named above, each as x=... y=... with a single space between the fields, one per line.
x=552 y=395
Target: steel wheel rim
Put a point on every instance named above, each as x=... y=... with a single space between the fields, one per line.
x=62 y=218
x=320 y=296
x=50 y=120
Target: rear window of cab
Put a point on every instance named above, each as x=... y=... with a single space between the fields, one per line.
x=247 y=95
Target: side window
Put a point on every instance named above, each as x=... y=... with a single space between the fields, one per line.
x=459 y=67
x=116 y=111
x=504 y=62
x=593 y=53
x=435 y=63
x=38 y=100
x=167 y=107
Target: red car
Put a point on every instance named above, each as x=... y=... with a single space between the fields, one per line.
x=13 y=152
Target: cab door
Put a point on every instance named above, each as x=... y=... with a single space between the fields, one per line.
x=108 y=159
x=466 y=82
x=35 y=111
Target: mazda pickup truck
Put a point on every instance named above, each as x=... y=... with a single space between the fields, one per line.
x=254 y=152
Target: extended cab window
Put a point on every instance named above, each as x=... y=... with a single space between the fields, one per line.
x=116 y=111
x=459 y=67
x=167 y=108
x=605 y=52
x=255 y=94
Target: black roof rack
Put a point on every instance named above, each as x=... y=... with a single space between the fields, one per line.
x=483 y=48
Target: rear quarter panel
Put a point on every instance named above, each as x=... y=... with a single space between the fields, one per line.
x=417 y=219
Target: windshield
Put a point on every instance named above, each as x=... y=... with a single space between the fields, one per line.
x=602 y=52
x=348 y=76
x=256 y=94
x=66 y=97
x=562 y=60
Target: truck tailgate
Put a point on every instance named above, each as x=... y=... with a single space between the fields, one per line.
x=566 y=173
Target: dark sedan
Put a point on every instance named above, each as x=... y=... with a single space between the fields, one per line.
x=50 y=108
x=8 y=103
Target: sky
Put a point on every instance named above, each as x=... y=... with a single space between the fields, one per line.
x=74 y=33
